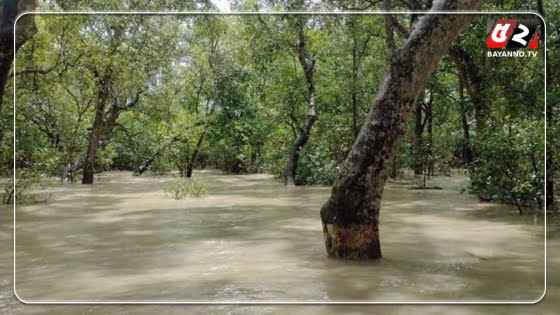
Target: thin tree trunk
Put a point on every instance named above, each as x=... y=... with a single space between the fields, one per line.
x=308 y=66
x=473 y=82
x=540 y=7
x=104 y=122
x=71 y=169
x=429 y=145
x=216 y=98
x=351 y=215
x=93 y=144
x=89 y=162
x=190 y=165
x=418 y=150
x=291 y=166
x=355 y=63
x=96 y=131
x=355 y=128
x=358 y=53
x=145 y=164
x=550 y=200
x=143 y=167
x=395 y=167
x=467 y=153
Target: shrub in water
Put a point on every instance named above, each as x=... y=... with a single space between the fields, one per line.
x=186 y=187
x=27 y=180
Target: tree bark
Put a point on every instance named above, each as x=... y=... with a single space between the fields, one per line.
x=308 y=65
x=25 y=29
x=351 y=215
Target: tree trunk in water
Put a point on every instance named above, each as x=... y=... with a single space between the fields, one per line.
x=71 y=169
x=467 y=153
x=418 y=151
x=429 y=145
x=95 y=136
x=291 y=166
x=190 y=166
x=351 y=215
x=549 y=199
x=308 y=66
x=96 y=132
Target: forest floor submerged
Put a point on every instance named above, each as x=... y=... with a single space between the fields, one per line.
x=252 y=239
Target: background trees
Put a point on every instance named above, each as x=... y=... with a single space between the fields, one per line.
x=177 y=93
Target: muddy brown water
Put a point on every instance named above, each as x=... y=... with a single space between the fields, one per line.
x=251 y=239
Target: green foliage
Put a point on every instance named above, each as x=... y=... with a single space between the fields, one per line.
x=510 y=163
x=161 y=166
x=231 y=89
x=316 y=166
x=186 y=187
x=27 y=182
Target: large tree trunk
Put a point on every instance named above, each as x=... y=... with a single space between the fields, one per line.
x=26 y=28
x=351 y=215
x=308 y=66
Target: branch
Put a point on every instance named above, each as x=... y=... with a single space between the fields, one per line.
x=399 y=27
x=389 y=36
x=369 y=4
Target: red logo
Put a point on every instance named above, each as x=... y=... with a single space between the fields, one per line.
x=511 y=33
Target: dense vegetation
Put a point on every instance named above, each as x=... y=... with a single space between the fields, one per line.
x=281 y=94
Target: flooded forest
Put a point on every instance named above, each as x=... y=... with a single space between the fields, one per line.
x=273 y=158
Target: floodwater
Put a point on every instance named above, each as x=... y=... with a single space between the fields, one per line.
x=252 y=239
